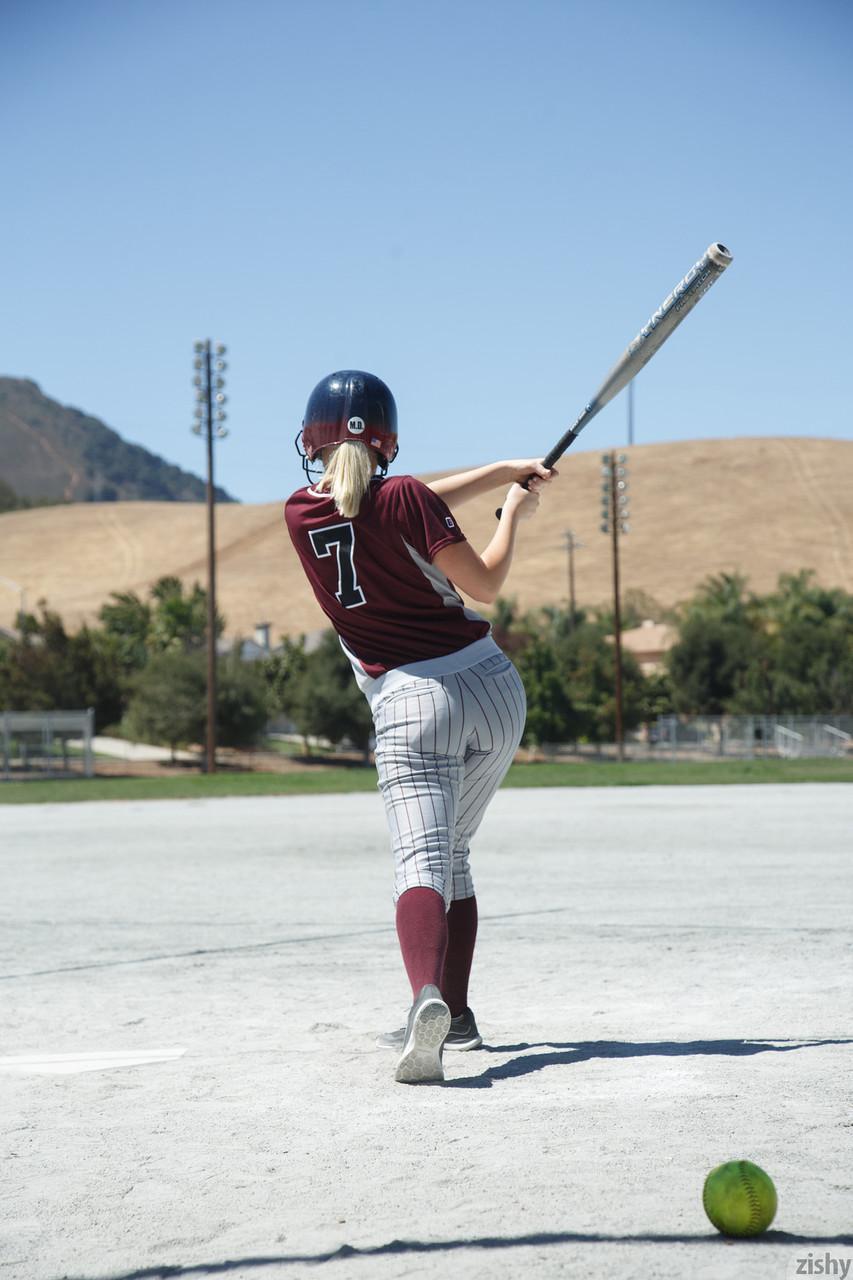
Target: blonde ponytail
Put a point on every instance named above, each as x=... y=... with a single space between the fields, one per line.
x=347 y=473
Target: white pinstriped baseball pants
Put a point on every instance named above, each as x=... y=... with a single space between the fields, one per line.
x=443 y=745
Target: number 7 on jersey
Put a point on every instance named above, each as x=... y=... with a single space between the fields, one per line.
x=342 y=537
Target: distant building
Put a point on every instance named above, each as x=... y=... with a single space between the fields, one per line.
x=259 y=645
x=649 y=643
x=250 y=650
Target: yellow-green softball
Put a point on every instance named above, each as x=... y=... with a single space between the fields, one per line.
x=739 y=1198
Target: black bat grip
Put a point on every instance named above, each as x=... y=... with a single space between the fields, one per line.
x=548 y=461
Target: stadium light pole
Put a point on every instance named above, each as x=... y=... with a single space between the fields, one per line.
x=209 y=367
x=614 y=520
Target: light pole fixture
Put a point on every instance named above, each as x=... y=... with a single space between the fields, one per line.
x=209 y=367
x=614 y=521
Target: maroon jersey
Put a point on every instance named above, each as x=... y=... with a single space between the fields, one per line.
x=373 y=574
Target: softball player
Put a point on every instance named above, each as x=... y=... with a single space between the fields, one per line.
x=382 y=555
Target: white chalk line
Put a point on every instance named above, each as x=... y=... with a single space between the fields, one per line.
x=65 y=1064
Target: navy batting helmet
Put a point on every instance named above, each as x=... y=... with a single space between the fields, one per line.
x=350 y=405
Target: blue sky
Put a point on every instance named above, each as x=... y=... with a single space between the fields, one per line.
x=480 y=202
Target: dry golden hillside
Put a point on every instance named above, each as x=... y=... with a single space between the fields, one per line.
x=760 y=506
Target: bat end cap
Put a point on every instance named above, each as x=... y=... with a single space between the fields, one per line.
x=719 y=254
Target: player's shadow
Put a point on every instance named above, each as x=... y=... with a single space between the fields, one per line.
x=565 y=1055
x=485 y=1243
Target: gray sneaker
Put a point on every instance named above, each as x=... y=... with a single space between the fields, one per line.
x=463 y=1034
x=423 y=1040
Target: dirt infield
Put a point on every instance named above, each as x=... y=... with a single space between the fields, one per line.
x=191 y=989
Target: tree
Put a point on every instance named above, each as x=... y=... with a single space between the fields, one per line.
x=169 y=701
x=551 y=716
x=168 y=620
x=128 y=620
x=568 y=669
x=588 y=658
x=505 y=626
x=326 y=702
x=657 y=696
x=281 y=672
x=179 y=621
x=810 y=643
x=722 y=595
x=242 y=703
x=720 y=642
x=712 y=662
x=787 y=653
x=10 y=501
x=47 y=669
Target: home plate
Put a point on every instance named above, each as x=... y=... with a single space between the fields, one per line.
x=66 y=1064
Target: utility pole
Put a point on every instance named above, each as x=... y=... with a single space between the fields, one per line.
x=614 y=520
x=210 y=414
x=631 y=412
x=573 y=544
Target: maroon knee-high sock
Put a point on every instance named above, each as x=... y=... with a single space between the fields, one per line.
x=422 y=930
x=461 y=937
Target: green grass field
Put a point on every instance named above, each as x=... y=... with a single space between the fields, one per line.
x=329 y=780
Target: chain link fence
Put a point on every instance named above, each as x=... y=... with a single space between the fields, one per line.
x=46 y=744
x=718 y=738
x=748 y=737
